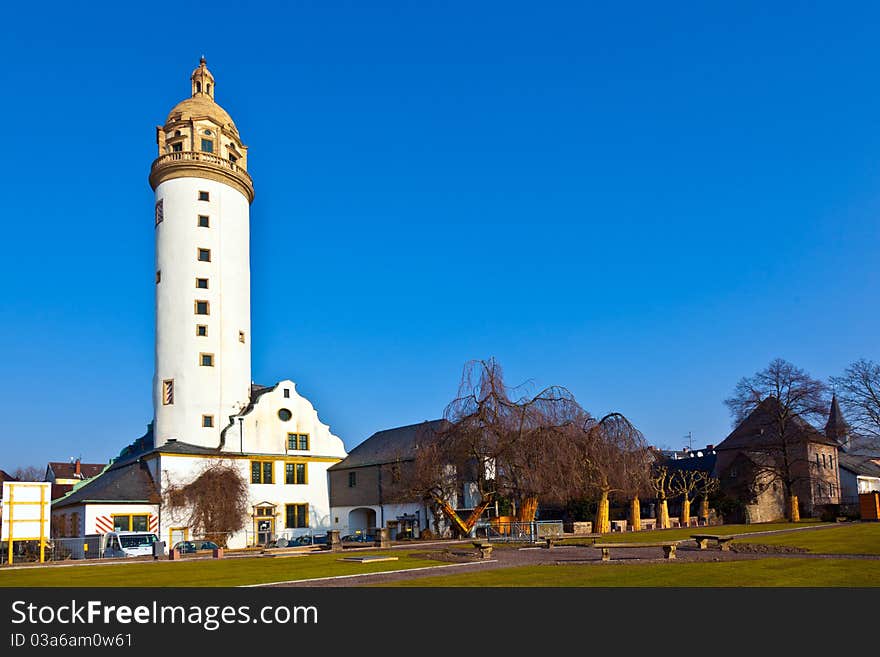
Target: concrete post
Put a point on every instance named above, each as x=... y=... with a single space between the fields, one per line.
x=383 y=537
x=333 y=542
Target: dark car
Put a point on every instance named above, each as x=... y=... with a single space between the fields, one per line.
x=358 y=538
x=191 y=547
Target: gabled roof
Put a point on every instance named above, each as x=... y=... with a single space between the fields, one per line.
x=64 y=470
x=758 y=430
x=129 y=481
x=390 y=445
x=5 y=476
x=860 y=465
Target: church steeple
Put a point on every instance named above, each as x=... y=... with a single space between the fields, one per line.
x=836 y=428
x=202 y=80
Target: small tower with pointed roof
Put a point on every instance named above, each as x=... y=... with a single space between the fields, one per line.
x=836 y=428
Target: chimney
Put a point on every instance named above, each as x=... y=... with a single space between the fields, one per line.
x=709 y=448
x=77 y=472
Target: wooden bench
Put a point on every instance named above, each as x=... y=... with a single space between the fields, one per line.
x=485 y=549
x=668 y=548
x=722 y=541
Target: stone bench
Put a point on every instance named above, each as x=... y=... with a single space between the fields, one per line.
x=668 y=548
x=722 y=541
x=485 y=549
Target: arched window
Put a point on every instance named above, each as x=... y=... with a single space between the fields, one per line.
x=199 y=87
x=209 y=87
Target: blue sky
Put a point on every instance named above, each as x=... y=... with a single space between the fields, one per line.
x=642 y=203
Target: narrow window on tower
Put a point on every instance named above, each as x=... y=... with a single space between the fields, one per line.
x=352 y=479
x=202 y=330
x=160 y=211
x=202 y=283
x=241 y=336
x=207 y=420
x=158 y=276
x=206 y=360
x=167 y=392
x=203 y=307
x=204 y=196
x=204 y=255
x=207 y=145
x=204 y=221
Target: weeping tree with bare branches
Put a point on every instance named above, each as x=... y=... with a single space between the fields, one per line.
x=499 y=443
x=213 y=505
x=608 y=457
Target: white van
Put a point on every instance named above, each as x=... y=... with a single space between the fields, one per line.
x=128 y=544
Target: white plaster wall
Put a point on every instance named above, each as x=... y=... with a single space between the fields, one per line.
x=261 y=431
x=183 y=469
x=92 y=511
x=224 y=389
x=340 y=515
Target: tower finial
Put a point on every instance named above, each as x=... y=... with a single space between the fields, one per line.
x=202 y=61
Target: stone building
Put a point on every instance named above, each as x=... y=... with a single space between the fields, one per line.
x=755 y=463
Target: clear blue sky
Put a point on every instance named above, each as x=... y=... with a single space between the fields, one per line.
x=642 y=203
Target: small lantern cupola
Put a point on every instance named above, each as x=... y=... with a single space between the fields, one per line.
x=202 y=80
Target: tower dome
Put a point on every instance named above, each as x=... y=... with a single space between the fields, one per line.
x=199 y=138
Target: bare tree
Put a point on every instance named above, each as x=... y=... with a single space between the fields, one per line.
x=686 y=483
x=29 y=473
x=607 y=457
x=661 y=485
x=213 y=505
x=706 y=486
x=789 y=398
x=858 y=391
x=498 y=442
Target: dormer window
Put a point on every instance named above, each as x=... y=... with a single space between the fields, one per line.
x=177 y=133
x=208 y=132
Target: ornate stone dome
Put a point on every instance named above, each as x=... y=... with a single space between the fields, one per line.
x=201 y=104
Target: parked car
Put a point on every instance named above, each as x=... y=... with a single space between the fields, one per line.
x=358 y=538
x=191 y=547
x=307 y=539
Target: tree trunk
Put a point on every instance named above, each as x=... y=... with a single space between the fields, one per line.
x=794 y=513
x=635 y=514
x=663 y=515
x=686 y=513
x=704 y=509
x=603 y=523
x=528 y=509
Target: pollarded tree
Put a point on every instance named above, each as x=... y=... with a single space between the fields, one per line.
x=686 y=483
x=661 y=480
x=788 y=397
x=706 y=486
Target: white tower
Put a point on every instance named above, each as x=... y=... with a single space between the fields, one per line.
x=203 y=313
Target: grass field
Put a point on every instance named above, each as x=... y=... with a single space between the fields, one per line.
x=226 y=572
x=758 y=572
x=687 y=532
x=860 y=538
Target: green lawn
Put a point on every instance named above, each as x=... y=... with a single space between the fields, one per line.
x=858 y=538
x=687 y=532
x=758 y=572
x=226 y=572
